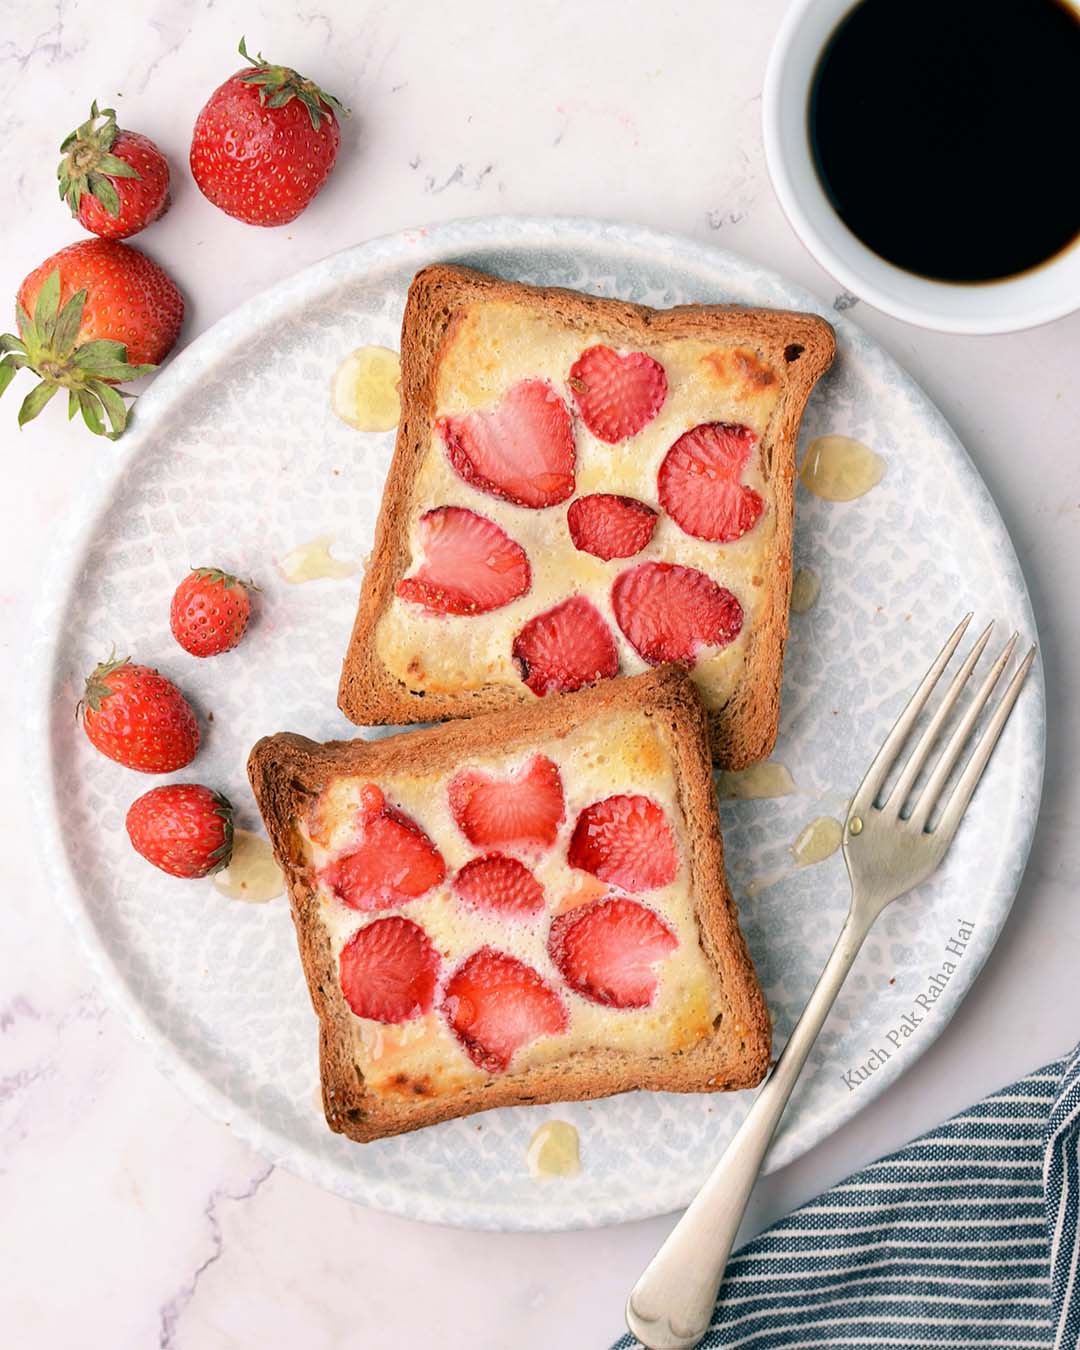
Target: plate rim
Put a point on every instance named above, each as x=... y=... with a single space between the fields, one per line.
x=206 y=349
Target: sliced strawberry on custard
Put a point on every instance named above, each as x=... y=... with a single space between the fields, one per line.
x=608 y=526
x=520 y=448
x=608 y=951
x=626 y=841
x=470 y=565
x=565 y=648
x=698 y=483
x=498 y=884
x=389 y=970
x=524 y=810
x=669 y=613
x=496 y=1004
x=617 y=395
x=392 y=863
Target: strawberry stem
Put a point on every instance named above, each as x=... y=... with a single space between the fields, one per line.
x=278 y=85
x=223 y=853
x=226 y=579
x=47 y=345
x=89 y=164
x=97 y=688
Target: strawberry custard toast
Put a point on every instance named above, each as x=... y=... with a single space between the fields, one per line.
x=583 y=488
x=527 y=906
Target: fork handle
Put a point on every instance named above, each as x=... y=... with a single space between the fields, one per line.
x=672 y=1303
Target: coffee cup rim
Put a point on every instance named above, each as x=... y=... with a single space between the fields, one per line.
x=1031 y=298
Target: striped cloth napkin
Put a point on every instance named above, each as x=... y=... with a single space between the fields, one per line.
x=965 y=1238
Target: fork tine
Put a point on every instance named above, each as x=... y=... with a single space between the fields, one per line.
x=886 y=756
x=956 y=742
x=962 y=793
x=926 y=741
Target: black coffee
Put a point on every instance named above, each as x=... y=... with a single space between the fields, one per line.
x=947 y=132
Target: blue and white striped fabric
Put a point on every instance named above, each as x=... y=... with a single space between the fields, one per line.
x=967 y=1237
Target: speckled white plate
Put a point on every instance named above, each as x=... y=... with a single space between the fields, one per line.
x=235 y=459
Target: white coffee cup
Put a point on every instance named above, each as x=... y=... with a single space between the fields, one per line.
x=1037 y=296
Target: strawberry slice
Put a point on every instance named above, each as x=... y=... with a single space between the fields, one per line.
x=669 y=612
x=608 y=951
x=522 y=811
x=521 y=448
x=565 y=647
x=394 y=861
x=496 y=1004
x=497 y=884
x=626 y=841
x=470 y=565
x=617 y=395
x=389 y=970
x=610 y=527
x=699 y=486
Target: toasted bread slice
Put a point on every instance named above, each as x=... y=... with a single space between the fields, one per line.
x=468 y=340
x=595 y=1018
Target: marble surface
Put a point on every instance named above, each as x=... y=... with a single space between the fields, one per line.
x=129 y=1219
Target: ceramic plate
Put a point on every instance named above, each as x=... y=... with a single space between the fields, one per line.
x=235 y=458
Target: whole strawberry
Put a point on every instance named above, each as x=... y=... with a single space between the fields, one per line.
x=91 y=316
x=210 y=611
x=265 y=142
x=139 y=718
x=116 y=182
x=183 y=828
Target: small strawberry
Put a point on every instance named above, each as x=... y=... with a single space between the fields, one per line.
x=102 y=313
x=210 y=611
x=470 y=565
x=626 y=841
x=608 y=951
x=495 y=1004
x=393 y=862
x=610 y=527
x=699 y=486
x=389 y=970
x=565 y=648
x=183 y=828
x=669 y=613
x=498 y=884
x=522 y=811
x=520 y=448
x=138 y=717
x=617 y=395
x=265 y=142
x=115 y=182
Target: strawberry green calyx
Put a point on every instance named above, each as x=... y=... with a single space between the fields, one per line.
x=217 y=577
x=98 y=688
x=89 y=164
x=47 y=345
x=277 y=85
x=223 y=808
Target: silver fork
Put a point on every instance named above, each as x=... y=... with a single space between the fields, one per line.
x=887 y=854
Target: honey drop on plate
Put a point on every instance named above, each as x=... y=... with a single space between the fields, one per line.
x=805 y=589
x=768 y=779
x=840 y=469
x=252 y=873
x=313 y=561
x=817 y=841
x=364 y=389
x=554 y=1151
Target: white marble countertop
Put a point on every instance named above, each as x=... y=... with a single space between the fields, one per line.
x=129 y=1219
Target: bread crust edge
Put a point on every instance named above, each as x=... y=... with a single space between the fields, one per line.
x=741 y=732
x=287 y=772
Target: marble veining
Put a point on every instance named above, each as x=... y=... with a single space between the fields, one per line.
x=172 y=1311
